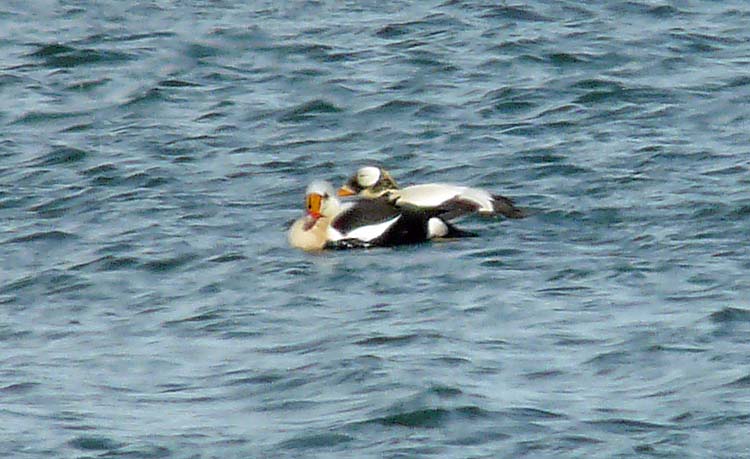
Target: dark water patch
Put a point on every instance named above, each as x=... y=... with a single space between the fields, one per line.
x=625 y=426
x=511 y=47
x=63 y=56
x=9 y=79
x=146 y=97
x=575 y=274
x=43 y=236
x=540 y=156
x=82 y=127
x=52 y=49
x=741 y=211
x=504 y=253
x=302 y=347
x=396 y=30
x=62 y=156
x=447 y=392
x=508 y=107
x=309 y=109
x=57 y=207
x=563 y=59
x=204 y=50
x=479 y=437
x=228 y=258
x=168 y=264
x=431 y=418
x=557 y=170
x=740 y=383
x=315 y=441
x=316 y=51
x=110 y=263
x=663 y=12
x=726 y=171
x=306 y=74
x=7 y=333
x=512 y=12
x=532 y=414
x=138 y=452
x=91 y=443
x=607 y=362
x=717 y=421
x=177 y=83
x=702 y=43
x=152 y=178
x=542 y=375
x=566 y=291
x=431 y=61
x=393 y=107
x=18 y=388
x=730 y=315
x=388 y=340
x=261 y=379
x=211 y=116
x=103 y=175
x=736 y=82
x=676 y=349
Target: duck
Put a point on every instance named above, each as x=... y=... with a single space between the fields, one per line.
x=373 y=182
x=329 y=223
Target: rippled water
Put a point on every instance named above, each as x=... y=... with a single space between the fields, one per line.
x=151 y=156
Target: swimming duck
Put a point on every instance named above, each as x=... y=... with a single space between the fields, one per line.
x=330 y=224
x=456 y=200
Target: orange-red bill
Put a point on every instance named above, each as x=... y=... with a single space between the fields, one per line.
x=314 y=201
x=346 y=191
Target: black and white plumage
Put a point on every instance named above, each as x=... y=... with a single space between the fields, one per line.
x=454 y=200
x=329 y=223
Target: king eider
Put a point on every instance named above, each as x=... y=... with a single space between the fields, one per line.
x=456 y=200
x=330 y=224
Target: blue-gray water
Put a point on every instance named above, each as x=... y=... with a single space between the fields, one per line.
x=152 y=153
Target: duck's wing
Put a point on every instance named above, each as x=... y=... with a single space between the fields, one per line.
x=457 y=200
x=365 y=219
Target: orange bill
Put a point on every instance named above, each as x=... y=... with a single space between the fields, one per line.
x=314 y=201
x=346 y=191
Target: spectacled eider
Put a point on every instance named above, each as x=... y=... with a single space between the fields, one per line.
x=375 y=182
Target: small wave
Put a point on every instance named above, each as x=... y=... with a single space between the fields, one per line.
x=58 y=55
x=91 y=443
x=168 y=264
x=110 y=263
x=48 y=236
x=430 y=418
x=740 y=383
x=18 y=388
x=626 y=426
x=176 y=83
x=396 y=30
x=385 y=340
x=729 y=315
x=393 y=107
x=518 y=13
x=228 y=257
x=324 y=440
x=309 y=109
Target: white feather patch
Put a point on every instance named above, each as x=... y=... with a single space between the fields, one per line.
x=435 y=194
x=436 y=228
x=370 y=232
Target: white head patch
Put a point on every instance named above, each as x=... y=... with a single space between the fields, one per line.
x=368 y=176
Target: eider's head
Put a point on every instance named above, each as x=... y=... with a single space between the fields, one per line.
x=320 y=201
x=370 y=182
